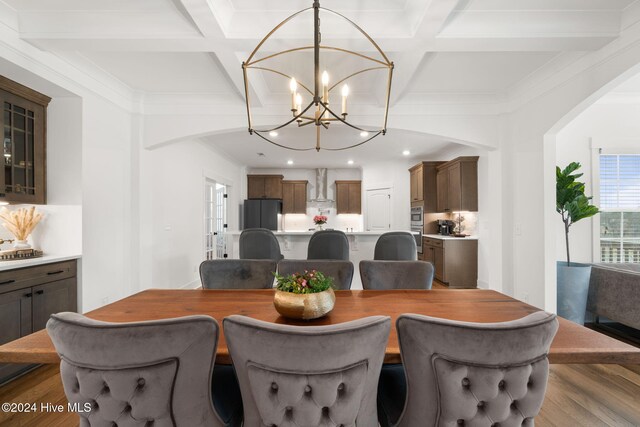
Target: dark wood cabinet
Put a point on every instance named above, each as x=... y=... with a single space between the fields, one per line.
x=455 y=261
x=457 y=185
x=28 y=296
x=23 y=123
x=264 y=186
x=423 y=185
x=349 y=197
x=294 y=197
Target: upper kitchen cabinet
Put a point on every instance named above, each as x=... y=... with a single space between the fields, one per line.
x=423 y=185
x=23 y=122
x=294 y=197
x=349 y=197
x=264 y=186
x=457 y=185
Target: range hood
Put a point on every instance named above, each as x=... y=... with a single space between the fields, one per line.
x=321 y=199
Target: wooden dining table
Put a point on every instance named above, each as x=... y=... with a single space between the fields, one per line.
x=573 y=343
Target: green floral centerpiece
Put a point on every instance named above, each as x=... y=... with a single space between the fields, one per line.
x=304 y=296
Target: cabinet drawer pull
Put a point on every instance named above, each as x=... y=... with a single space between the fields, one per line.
x=29 y=295
x=40 y=292
x=6 y=282
x=51 y=273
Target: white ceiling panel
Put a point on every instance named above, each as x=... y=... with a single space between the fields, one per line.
x=544 y=4
x=474 y=72
x=78 y=5
x=165 y=72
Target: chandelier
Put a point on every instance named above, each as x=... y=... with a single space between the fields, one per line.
x=320 y=110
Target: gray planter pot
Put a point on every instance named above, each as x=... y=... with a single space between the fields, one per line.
x=573 y=290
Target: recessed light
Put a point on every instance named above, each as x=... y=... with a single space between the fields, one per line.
x=350 y=162
x=406 y=152
x=289 y=162
x=364 y=134
x=273 y=133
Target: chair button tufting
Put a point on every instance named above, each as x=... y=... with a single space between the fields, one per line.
x=481 y=404
x=288 y=409
x=460 y=422
x=514 y=404
x=466 y=383
x=95 y=406
x=105 y=388
x=307 y=389
x=325 y=411
x=141 y=382
x=274 y=386
x=495 y=425
x=341 y=387
x=501 y=385
x=127 y=408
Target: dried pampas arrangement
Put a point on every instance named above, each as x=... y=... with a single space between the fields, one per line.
x=20 y=222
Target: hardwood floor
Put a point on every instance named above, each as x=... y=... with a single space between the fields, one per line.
x=577 y=395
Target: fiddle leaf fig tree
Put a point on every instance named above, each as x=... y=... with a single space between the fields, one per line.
x=571 y=202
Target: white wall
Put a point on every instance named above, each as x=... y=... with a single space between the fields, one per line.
x=611 y=127
x=172 y=206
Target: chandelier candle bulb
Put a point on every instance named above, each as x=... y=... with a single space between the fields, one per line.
x=325 y=87
x=345 y=93
x=293 y=85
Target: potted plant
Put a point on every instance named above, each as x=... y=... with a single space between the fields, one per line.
x=304 y=296
x=319 y=221
x=573 y=278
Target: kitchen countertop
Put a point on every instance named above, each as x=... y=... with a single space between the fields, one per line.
x=309 y=233
x=45 y=259
x=441 y=237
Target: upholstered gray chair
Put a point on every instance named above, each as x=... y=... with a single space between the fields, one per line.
x=237 y=273
x=474 y=374
x=341 y=271
x=385 y=275
x=396 y=246
x=328 y=244
x=259 y=243
x=155 y=372
x=308 y=375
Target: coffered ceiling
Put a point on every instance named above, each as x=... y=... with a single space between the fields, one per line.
x=449 y=52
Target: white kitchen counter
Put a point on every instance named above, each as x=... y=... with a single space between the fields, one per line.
x=441 y=237
x=309 y=233
x=45 y=259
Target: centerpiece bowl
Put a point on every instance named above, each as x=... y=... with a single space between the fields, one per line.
x=304 y=296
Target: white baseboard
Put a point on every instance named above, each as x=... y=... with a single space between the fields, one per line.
x=482 y=284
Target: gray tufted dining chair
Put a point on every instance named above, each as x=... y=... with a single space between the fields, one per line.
x=387 y=275
x=237 y=273
x=474 y=374
x=340 y=271
x=328 y=244
x=259 y=243
x=308 y=375
x=153 y=373
x=396 y=246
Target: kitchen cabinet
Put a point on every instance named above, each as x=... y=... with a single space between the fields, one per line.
x=422 y=183
x=264 y=186
x=457 y=185
x=28 y=296
x=349 y=197
x=23 y=123
x=455 y=260
x=294 y=197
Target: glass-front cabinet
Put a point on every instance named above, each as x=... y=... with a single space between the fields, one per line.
x=23 y=176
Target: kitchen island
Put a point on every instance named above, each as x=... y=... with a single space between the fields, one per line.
x=293 y=245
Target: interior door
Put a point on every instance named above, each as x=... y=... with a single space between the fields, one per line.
x=379 y=209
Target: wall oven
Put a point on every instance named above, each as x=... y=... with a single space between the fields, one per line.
x=417 y=226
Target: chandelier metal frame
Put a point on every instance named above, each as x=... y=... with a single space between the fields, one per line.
x=323 y=115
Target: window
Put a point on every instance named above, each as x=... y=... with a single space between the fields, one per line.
x=215 y=220
x=620 y=208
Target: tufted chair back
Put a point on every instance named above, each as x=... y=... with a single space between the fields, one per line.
x=396 y=246
x=385 y=275
x=328 y=244
x=308 y=376
x=259 y=243
x=155 y=373
x=475 y=374
x=237 y=273
x=341 y=271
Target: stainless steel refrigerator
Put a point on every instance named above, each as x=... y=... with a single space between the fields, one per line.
x=262 y=213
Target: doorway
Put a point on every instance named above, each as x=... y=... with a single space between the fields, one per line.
x=378 y=209
x=215 y=220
